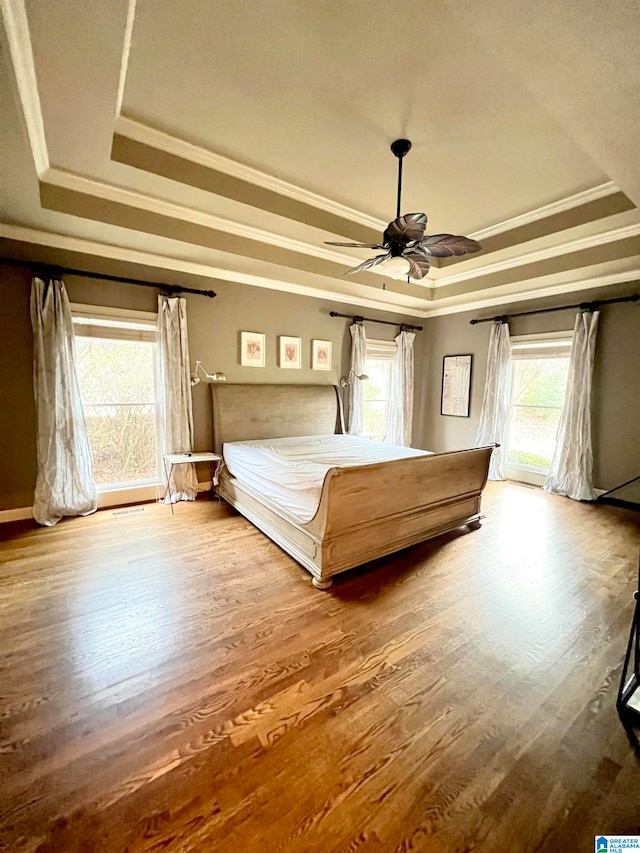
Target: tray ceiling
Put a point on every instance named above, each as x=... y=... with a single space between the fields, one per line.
x=230 y=140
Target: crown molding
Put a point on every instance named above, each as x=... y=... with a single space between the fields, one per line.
x=155 y=204
x=23 y=234
x=126 y=52
x=146 y=135
x=52 y=240
x=579 y=245
x=560 y=206
x=537 y=293
x=16 y=23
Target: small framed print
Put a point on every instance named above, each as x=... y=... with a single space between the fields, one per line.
x=290 y=352
x=252 y=349
x=321 y=355
x=456 y=385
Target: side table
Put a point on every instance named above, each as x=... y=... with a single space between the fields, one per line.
x=173 y=459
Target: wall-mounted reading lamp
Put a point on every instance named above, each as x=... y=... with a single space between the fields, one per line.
x=210 y=377
x=347 y=380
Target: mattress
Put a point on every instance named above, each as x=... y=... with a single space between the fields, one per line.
x=290 y=471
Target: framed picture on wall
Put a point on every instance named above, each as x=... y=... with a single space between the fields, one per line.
x=321 y=355
x=456 y=385
x=290 y=352
x=252 y=349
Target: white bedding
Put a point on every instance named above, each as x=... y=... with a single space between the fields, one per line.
x=290 y=471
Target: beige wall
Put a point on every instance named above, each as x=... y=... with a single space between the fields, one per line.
x=214 y=333
x=17 y=412
x=616 y=392
x=214 y=327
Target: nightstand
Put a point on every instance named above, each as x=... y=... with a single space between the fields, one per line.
x=173 y=459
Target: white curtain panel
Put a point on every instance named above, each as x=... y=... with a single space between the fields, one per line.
x=64 y=481
x=401 y=402
x=356 y=389
x=571 y=471
x=494 y=417
x=176 y=394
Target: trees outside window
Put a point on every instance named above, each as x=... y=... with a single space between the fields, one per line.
x=538 y=378
x=117 y=374
x=377 y=388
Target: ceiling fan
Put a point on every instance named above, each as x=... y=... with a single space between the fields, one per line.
x=408 y=251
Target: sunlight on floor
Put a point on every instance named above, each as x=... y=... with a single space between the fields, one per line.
x=531 y=581
x=123 y=623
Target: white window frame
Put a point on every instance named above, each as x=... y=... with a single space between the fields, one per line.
x=137 y=490
x=543 y=343
x=378 y=350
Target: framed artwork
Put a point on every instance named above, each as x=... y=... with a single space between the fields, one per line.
x=456 y=385
x=290 y=352
x=321 y=355
x=252 y=349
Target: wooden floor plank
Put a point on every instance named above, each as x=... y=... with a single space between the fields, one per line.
x=173 y=682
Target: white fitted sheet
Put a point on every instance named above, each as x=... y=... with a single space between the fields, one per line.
x=290 y=471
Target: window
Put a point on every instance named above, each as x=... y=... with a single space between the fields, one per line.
x=117 y=360
x=538 y=377
x=377 y=389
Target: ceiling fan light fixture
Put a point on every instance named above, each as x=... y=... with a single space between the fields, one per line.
x=397 y=267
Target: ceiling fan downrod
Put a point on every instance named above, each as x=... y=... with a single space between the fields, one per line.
x=400 y=149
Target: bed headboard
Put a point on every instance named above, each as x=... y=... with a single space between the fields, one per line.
x=252 y=411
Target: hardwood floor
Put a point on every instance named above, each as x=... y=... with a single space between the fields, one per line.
x=174 y=683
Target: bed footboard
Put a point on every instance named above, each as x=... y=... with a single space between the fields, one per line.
x=372 y=510
x=368 y=511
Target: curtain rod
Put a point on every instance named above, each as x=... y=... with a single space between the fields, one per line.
x=583 y=306
x=405 y=327
x=52 y=269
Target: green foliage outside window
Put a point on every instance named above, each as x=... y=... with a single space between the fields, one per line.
x=538 y=391
x=118 y=392
x=540 y=381
x=376 y=393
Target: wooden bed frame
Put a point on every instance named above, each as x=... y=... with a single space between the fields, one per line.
x=365 y=511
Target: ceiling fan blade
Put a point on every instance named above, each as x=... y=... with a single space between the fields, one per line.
x=406 y=229
x=370 y=262
x=355 y=245
x=445 y=245
x=419 y=263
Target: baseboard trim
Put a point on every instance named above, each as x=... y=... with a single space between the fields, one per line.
x=18 y=514
x=106 y=500
x=521 y=475
x=134 y=495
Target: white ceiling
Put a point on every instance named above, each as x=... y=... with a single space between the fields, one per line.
x=229 y=140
